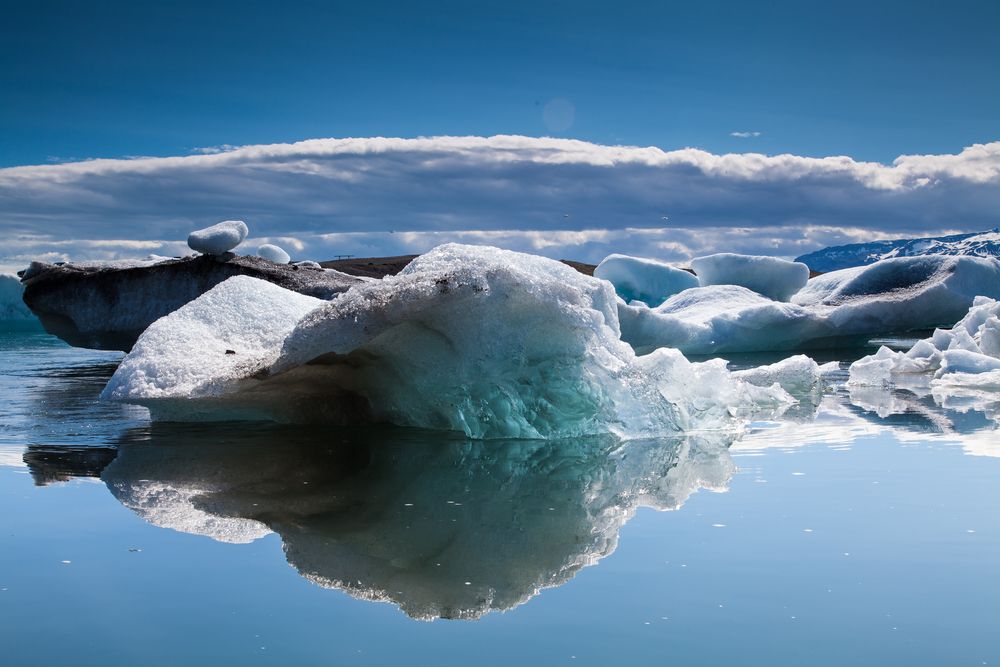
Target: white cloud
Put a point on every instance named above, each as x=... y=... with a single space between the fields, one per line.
x=561 y=197
x=745 y=135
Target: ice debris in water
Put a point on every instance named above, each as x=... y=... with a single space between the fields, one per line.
x=12 y=305
x=775 y=278
x=646 y=280
x=474 y=339
x=965 y=358
x=894 y=295
x=273 y=253
x=219 y=238
x=794 y=374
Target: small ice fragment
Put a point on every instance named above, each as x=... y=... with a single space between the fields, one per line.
x=273 y=253
x=219 y=238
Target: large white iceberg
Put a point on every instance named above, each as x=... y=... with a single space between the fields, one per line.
x=775 y=278
x=487 y=342
x=646 y=280
x=838 y=308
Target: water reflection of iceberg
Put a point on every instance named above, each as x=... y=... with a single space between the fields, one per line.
x=441 y=527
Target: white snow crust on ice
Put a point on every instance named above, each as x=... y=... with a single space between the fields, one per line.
x=12 y=306
x=487 y=342
x=218 y=239
x=892 y=296
x=184 y=354
x=775 y=278
x=273 y=253
x=964 y=360
x=646 y=280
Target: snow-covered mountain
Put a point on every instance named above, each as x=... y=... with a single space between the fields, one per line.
x=978 y=244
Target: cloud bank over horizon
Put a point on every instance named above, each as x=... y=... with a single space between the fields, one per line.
x=559 y=197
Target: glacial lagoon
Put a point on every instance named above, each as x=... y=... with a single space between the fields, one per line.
x=858 y=529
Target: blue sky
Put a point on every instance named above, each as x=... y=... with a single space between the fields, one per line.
x=222 y=110
x=872 y=80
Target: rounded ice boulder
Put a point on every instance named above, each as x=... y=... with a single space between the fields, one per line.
x=775 y=278
x=647 y=280
x=273 y=253
x=219 y=238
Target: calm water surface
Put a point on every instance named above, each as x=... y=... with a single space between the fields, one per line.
x=862 y=530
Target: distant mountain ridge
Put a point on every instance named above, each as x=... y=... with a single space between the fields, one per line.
x=977 y=244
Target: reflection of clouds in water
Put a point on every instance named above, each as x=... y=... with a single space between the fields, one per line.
x=441 y=527
x=12 y=457
x=907 y=415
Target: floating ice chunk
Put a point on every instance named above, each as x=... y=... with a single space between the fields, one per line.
x=967 y=361
x=964 y=356
x=720 y=318
x=273 y=253
x=843 y=307
x=218 y=239
x=917 y=291
x=12 y=305
x=224 y=336
x=795 y=375
x=479 y=340
x=775 y=278
x=648 y=281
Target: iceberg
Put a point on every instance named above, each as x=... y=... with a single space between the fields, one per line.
x=841 y=308
x=106 y=306
x=646 y=280
x=775 y=278
x=473 y=339
x=962 y=360
x=12 y=306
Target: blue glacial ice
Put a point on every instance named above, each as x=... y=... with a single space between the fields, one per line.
x=775 y=278
x=842 y=307
x=647 y=280
x=487 y=342
x=12 y=307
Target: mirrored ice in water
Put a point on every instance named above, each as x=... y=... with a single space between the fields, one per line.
x=862 y=528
